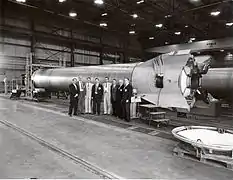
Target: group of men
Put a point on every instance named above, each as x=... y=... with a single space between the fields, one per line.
x=87 y=97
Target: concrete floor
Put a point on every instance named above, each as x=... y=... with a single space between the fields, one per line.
x=24 y=158
x=125 y=153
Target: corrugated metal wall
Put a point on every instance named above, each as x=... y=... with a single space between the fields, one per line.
x=14 y=49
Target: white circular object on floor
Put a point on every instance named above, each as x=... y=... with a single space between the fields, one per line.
x=207 y=137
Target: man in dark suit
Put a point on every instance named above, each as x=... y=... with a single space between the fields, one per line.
x=74 y=93
x=114 y=87
x=97 y=94
x=119 y=94
x=81 y=98
x=126 y=99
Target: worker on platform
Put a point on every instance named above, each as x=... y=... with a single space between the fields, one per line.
x=107 y=96
x=81 y=98
x=126 y=99
x=113 y=96
x=97 y=95
x=88 y=108
x=119 y=94
x=74 y=93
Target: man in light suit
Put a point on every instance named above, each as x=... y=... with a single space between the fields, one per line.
x=107 y=96
x=81 y=98
x=88 y=85
x=74 y=93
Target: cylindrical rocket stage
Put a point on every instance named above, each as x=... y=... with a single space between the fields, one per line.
x=219 y=82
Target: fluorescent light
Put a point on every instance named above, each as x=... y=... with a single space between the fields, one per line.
x=131 y=32
x=195 y=1
x=72 y=14
x=229 y=24
x=22 y=1
x=140 y=2
x=215 y=13
x=222 y=50
x=61 y=1
x=159 y=25
x=103 y=24
x=177 y=33
x=168 y=16
x=135 y=16
x=100 y=2
x=151 y=38
x=104 y=14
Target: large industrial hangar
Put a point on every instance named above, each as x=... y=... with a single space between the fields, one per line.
x=117 y=89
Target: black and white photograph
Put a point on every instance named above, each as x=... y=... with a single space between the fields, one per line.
x=116 y=89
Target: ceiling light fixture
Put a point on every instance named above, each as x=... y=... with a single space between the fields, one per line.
x=140 y=2
x=168 y=16
x=229 y=24
x=193 y=39
x=194 y=1
x=177 y=33
x=61 y=1
x=186 y=26
x=72 y=14
x=135 y=16
x=159 y=25
x=131 y=32
x=104 y=14
x=166 y=43
x=22 y=1
x=103 y=24
x=99 y=2
x=151 y=38
x=222 y=50
x=215 y=13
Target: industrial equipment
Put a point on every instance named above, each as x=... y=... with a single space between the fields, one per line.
x=168 y=81
x=205 y=143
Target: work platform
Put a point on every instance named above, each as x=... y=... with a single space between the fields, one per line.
x=44 y=129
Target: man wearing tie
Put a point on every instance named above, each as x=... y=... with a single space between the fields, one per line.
x=97 y=94
x=113 y=97
x=126 y=99
x=81 y=98
x=119 y=94
x=107 y=96
x=88 y=96
x=74 y=93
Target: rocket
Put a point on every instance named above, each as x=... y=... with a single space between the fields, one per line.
x=167 y=81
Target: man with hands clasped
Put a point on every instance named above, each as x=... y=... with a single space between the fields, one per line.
x=74 y=93
x=126 y=99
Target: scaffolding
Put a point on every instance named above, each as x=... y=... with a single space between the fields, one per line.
x=28 y=75
x=30 y=68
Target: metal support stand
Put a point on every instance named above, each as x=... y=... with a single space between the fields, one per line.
x=28 y=75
